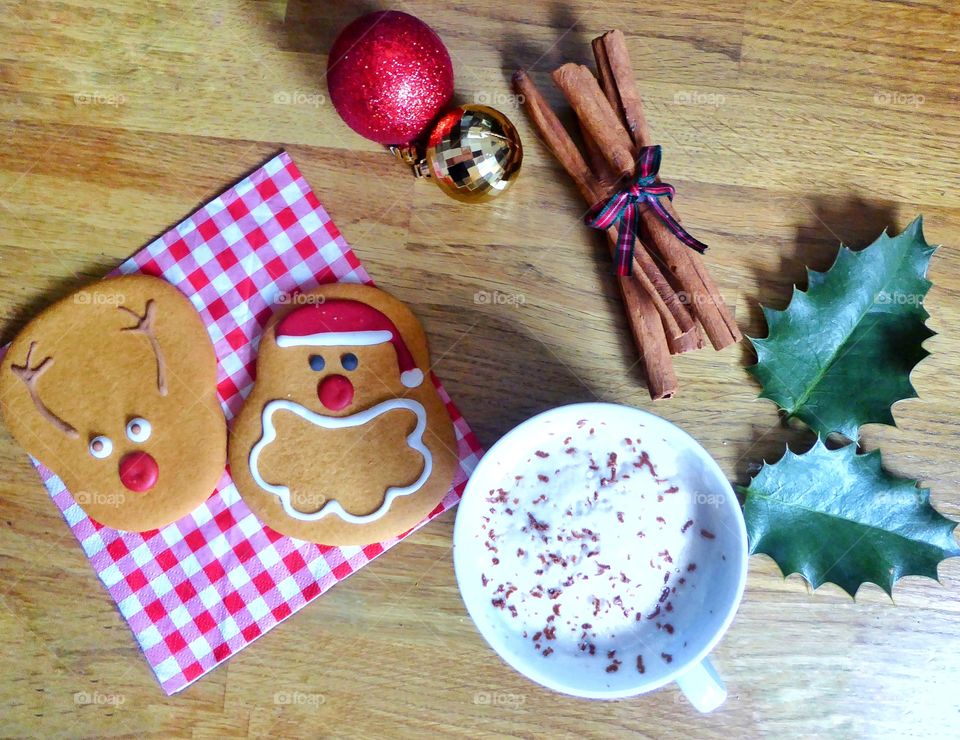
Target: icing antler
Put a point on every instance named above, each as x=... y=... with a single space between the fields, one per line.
x=145 y=326
x=31 y=376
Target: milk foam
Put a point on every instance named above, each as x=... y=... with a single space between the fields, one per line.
x=586 y=540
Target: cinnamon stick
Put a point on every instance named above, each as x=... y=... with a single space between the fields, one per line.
x=703 y=295
x=605 y=74
x=675 y=318
x=649 y=336
x=598 y=119
x=639 y=276
x=643 y=315
x=556 y=137
x=685 y=264
x=677 y=321
x=600 y=123
x=602 y=171
x=617 y=57
x=687 y=342
x=691 y=337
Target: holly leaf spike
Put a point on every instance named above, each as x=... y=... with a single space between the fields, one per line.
x=840 y=355
x=839 y=517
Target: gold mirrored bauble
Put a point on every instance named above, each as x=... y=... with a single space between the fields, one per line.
x=473 y=153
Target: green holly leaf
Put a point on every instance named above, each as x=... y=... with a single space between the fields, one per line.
x=834 y=515
x=840 y=355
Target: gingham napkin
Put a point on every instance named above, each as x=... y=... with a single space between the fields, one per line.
x=199 y=590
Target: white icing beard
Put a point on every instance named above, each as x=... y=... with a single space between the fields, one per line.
x=414 y=440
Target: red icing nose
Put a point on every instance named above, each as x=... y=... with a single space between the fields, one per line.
x=335 y=392
x=139 y=471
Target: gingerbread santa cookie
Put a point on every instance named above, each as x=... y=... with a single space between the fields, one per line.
x=114 y=389
x=343 y=441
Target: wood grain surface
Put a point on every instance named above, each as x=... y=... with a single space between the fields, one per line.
x=788 y=127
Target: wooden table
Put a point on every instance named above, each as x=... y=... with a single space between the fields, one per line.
x=789 y=127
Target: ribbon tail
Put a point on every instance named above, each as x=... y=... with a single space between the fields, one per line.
x=626 y=240
x=681 y=233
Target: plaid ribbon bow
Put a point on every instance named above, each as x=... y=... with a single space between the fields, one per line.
x=623 y=208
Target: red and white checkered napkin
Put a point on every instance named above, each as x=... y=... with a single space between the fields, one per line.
x=199 y=590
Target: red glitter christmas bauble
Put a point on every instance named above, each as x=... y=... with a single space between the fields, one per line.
x=389 y=75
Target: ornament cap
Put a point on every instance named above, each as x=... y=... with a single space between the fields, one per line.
x=410 y=156
x=407 y=154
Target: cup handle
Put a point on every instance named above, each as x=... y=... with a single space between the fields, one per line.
x=703 y=687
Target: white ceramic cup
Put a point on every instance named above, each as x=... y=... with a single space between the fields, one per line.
x=706 y=614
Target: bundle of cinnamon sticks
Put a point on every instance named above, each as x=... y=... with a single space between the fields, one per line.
x=670 y=299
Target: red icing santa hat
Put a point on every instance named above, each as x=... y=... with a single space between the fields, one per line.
x=344 y=323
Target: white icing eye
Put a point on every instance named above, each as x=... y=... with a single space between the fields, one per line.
x=100 y=447
x=138 y=430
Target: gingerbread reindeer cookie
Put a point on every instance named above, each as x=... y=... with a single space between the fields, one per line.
x=114 y=389
x=343 y=440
